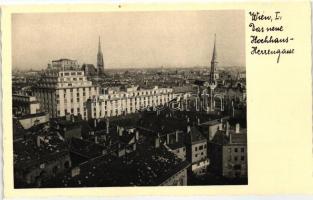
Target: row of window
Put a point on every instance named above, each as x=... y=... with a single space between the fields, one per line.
x=201 y=147
x=242 y=149
x=242 y=158
x=71 y=73
x=196 y=155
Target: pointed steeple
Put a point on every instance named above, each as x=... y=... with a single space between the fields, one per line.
x=99 y=46
x=100 y=64
x=213 y=62
x=214 y=56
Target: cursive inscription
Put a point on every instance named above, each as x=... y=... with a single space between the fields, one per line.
x=267 y=30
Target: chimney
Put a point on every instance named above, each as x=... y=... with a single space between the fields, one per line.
x=75 y=171
x=38 y=141
x=237 y=128
x=72 y=118
x=176 y=136
x=121 y=130
x=95 y=123
x=137 y=135
x=67 y=117
x=107 y=124
x=157 y=142
x=188 y=129
x=167 y=138
x=227 y=128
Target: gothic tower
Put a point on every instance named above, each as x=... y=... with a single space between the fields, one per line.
x=100 y=65
x=212 y=81
x=213 y=62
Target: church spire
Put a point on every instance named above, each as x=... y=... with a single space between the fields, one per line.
x=100 y=64
x=213 y=62
x=214 y=56
x=99 y=46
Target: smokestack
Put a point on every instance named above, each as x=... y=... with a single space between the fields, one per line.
x=176 y=136
x=237 y=128
x=167 y=138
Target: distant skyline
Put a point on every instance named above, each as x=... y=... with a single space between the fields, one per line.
x=129 y=39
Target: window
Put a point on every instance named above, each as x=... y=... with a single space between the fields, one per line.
x=242 y=149
x=196 y=148
x=200 y=147
x=242 y=158
x=235 y=158
x=196 y=155
x=236 y=150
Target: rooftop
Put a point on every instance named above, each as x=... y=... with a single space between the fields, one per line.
x=28 y=153
x=146 y=166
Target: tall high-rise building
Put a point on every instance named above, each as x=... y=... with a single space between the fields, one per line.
x=64 y=92
x=100 y=64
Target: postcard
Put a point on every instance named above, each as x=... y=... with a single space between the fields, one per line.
x=172 y=99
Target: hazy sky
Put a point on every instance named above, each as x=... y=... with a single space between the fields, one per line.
x=129 y=39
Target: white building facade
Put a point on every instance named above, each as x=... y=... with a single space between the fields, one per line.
x=120 y=102
x=65 y=92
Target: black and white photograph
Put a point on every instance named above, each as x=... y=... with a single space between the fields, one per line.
x=121 y=99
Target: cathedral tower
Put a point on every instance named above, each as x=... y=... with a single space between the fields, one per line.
x=212 y=81
x=213 y=63
x=100 y=64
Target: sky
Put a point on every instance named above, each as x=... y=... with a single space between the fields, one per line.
x=129 y=39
